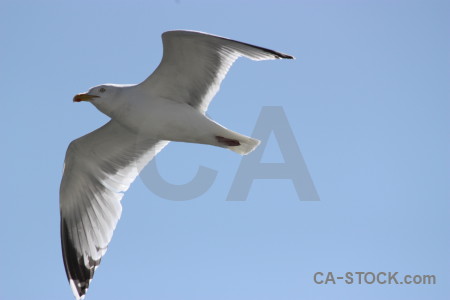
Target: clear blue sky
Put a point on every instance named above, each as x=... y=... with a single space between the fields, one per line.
x=368 y=101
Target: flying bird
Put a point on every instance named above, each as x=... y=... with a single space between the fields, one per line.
x=169 y=105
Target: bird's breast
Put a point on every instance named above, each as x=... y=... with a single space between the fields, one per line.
x=165 y=119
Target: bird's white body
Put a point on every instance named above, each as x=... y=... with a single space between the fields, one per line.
x=160 y=118
x=169 y=105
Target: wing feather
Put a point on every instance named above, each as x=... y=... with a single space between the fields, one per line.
x=99 y=167
x=195 y=63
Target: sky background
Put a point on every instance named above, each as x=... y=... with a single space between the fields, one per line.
x=368 y=101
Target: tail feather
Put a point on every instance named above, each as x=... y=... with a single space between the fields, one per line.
x=246 y=146
x=239 y=143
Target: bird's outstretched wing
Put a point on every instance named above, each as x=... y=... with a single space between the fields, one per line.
x=98 y=168
x=195 y=63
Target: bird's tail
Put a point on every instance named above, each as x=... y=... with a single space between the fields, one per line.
x=238 y=143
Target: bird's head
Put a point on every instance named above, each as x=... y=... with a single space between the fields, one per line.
x=103 y=97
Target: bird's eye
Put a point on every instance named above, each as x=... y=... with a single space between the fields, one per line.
x=102 y=90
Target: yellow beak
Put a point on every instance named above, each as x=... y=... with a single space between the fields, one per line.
x=83 y=97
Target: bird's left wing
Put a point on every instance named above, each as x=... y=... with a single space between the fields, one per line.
x=195 y=63
x=98 y=168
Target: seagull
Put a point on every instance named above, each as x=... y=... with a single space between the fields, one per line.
x=169 y=105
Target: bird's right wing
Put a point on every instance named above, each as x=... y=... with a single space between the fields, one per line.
x=98 y=168
x=195 y=63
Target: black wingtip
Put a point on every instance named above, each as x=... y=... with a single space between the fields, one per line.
x=277 y=55
x=78 y=275
x=284 y=56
